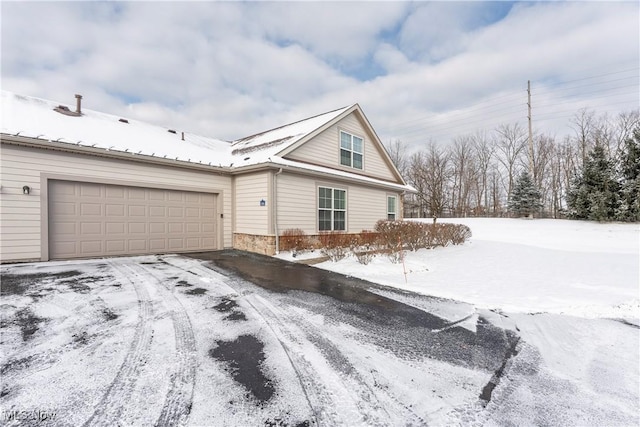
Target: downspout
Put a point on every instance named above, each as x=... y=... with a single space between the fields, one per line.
x=275 y=209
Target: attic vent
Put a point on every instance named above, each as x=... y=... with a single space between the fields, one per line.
x=171 y=131
x=124 y=120
x=63 y=109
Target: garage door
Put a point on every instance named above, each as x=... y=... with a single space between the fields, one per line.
x=89 y=220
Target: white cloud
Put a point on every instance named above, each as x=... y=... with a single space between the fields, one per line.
x=229 y=69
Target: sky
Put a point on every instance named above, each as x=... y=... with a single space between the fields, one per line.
x=421 y=71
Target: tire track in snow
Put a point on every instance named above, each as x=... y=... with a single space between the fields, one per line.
x=179 y=398
x=109 y=409
x=329 y=406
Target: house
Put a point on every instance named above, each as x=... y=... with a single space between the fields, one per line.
x=76 y=183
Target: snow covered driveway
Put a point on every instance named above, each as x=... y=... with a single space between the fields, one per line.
x=173 y=340
x=235 y=339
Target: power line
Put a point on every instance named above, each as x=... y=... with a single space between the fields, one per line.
x=512 y=107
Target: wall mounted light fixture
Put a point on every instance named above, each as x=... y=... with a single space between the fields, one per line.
x=26 y=189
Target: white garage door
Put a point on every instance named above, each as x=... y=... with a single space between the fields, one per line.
x=89 y=220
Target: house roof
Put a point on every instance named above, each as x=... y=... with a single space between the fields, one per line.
x=280 y=138
x=35 y=118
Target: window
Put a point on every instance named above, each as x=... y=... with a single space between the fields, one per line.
x=332 y=209
x=351 y=150
x=391 y=207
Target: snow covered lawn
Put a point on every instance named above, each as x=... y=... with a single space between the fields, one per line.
x=518 y=265
x=570 y=289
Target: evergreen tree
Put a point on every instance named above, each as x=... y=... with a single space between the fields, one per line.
x=594 y=194
x=525 y=198
x=630 y=179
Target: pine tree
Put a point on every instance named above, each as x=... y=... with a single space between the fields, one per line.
x=525 y=198
x=630 y=179
x=594 y=194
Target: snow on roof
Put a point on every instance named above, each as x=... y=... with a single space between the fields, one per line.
x=284 y=136
x=36 y=118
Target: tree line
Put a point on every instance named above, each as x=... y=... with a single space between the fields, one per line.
x=477 y=175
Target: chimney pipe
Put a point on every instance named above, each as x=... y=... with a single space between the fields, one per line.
x=78 y=103
x=183 y=136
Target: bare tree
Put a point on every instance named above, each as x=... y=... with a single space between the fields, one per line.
x=583 y=124
x=510 y=144
x=398 y=153
x=463 y=171
x=484 y=154
x=437 y=178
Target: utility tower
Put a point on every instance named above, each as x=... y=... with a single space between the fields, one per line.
x=531 y=170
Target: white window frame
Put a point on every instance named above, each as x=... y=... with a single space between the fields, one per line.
x=351 y=150
x=332 y=209
x=395 y=207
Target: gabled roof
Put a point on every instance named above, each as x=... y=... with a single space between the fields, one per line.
x=282 y=137
x=34 y=119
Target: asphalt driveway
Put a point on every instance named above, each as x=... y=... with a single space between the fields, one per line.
x=232 y=338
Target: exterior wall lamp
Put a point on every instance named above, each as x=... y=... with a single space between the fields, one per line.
x=26 y=189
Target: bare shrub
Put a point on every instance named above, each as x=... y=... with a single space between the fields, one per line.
x=335 y=244
x=396 y=235
x=364 y=257
x=389 y=233
x=294 y=239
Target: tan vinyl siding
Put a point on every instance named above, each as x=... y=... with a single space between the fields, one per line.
x=367 y=206
x=324 y=150
x=251 y=218
x=20 y=215
x=297 y=204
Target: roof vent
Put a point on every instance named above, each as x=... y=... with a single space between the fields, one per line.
x=171 y=131
x=63 y=109
x=123 y=121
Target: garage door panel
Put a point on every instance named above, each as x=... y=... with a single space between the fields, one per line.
x=65 y=249
x=157 y=228
x=176 y=227
x=115 y=228
x=90 y=190
x=175 y=196
x=192 y=212
x=157 y=195
x=157 y=211
x=91 y=209
x=158 y=244
x=136 y=194
x=114 y=192
x=137 y=227
x=64 y=228
x=114 y=210
x=88 y=219
x=176 y=244
x=176 y=212
x=91 y=247
x=63 y=208
x=91 y=228
x=192 y=242
x=137 y=245
x=115 y=246
x=137 y=210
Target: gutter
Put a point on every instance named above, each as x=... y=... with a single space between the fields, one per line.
x=274 y=203
x=296 y=169
x=102 y=152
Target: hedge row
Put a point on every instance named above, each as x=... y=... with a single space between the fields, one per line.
x=390 y=237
